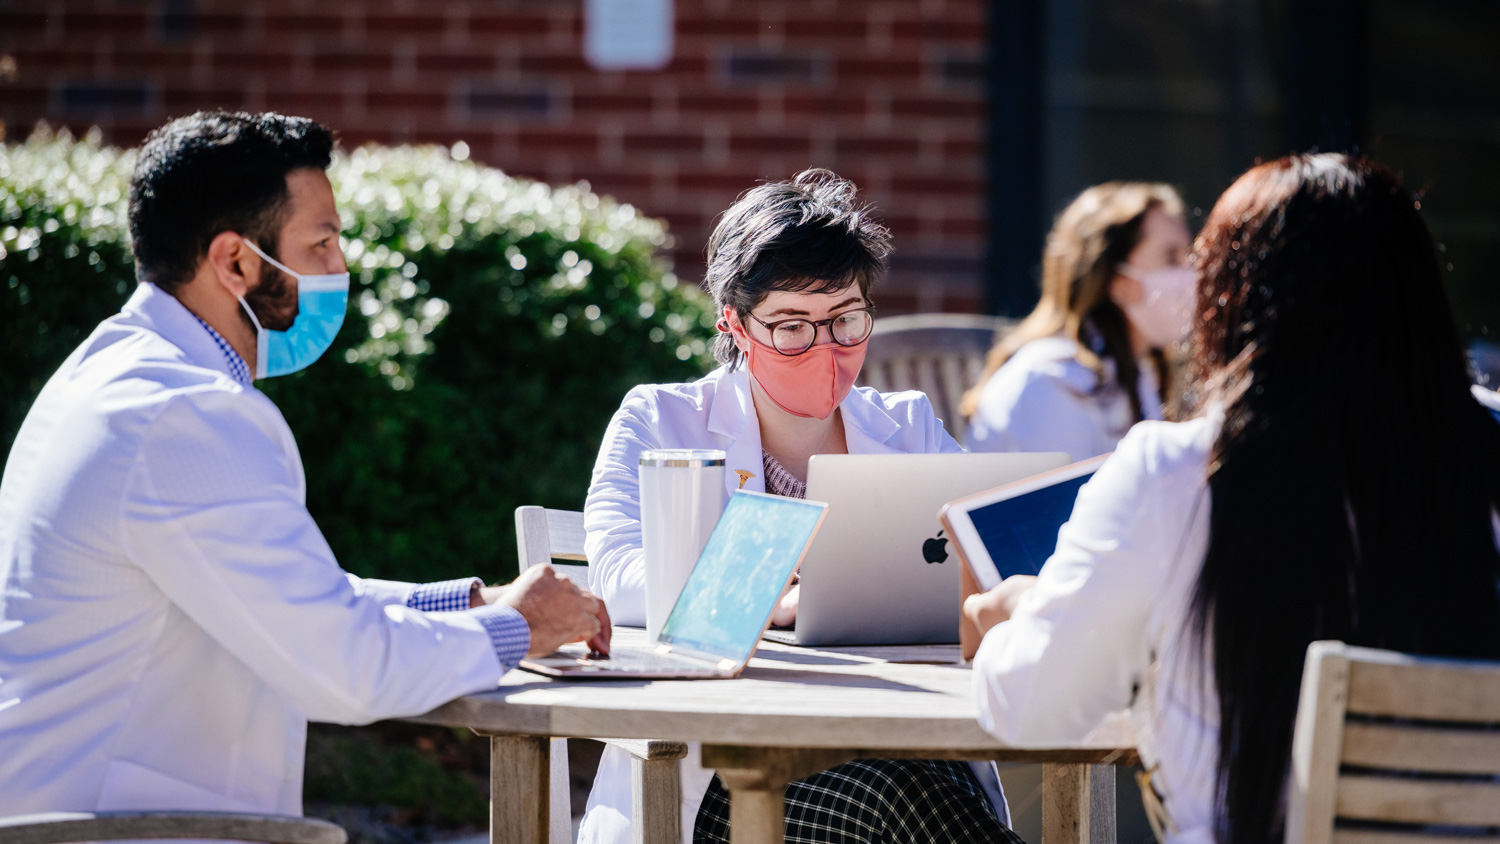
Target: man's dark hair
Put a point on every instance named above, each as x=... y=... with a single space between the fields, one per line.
x=210 y=172
x=805 y=235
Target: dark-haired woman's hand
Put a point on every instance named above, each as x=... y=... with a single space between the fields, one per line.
x=990 y=608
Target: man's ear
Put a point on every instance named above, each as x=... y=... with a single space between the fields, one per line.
x=232 y=263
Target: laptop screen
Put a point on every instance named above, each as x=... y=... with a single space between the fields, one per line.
x=1020 y=533
x=733 y=588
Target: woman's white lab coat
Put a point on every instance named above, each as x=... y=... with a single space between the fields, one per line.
x=716 y=411
x=1043 y=399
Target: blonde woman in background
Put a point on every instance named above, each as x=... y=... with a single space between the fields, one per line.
x=1088 y=362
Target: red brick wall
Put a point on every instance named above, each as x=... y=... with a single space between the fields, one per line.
x=886 y=92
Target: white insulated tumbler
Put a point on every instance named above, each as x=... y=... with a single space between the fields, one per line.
x=682 y=497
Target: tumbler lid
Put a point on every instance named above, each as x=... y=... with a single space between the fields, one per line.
x=683 y=457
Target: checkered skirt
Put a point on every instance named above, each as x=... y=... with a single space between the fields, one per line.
x=884 y=801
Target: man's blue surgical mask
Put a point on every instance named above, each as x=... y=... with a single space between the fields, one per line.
x=321 y=302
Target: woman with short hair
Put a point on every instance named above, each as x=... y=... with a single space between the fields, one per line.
x=790 y=267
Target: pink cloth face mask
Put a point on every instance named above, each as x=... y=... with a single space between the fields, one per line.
x=809 y=385
x=1164 y=314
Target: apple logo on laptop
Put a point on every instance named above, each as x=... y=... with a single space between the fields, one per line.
x=935 y=549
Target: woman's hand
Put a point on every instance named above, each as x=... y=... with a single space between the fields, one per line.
x=988 y=609
x=785 y=614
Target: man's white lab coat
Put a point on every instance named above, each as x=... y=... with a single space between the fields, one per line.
x=171 y=616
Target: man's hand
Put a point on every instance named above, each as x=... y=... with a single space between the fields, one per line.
x=556 y=610
x=988 y=609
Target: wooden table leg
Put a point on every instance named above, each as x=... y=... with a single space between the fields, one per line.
x=756 y=778
x=519 y=792
x=560 y=811
x=757 y=815
x=656 y=793
x=1078 y=804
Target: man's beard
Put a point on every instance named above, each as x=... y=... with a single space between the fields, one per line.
x=273 y=300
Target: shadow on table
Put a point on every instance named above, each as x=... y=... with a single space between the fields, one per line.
x=803 y=677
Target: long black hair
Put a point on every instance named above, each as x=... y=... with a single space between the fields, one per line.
x=1354 y=477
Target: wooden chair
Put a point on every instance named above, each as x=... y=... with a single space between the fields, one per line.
x=940 y=354
x=542 y=537
x=59 y=827
x=1394 y=749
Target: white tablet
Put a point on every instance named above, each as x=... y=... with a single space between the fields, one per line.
x=1013 y=529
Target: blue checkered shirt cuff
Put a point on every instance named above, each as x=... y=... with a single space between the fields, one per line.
x=508 y=631
x=443 y=596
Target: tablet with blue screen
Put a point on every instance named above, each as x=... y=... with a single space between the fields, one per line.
x=1013 y=529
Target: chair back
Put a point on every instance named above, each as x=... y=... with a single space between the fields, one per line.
x=1394 y=748
x=60 y=827
x=552 y=537
x=940 y=354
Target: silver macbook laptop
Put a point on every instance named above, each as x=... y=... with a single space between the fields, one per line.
x=725 y=604
x=881 y=571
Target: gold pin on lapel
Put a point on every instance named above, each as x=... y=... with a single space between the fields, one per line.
x=745 y=475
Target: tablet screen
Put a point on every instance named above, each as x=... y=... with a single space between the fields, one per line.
x=727 y=600
x=1020 y=533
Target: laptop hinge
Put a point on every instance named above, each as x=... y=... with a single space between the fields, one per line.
x=727 y=664
x=663 y=649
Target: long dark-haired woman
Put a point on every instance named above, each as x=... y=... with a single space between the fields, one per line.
x=1339 y=481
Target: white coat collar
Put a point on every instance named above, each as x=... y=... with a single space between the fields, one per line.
x=732 y=419
x=159 y=311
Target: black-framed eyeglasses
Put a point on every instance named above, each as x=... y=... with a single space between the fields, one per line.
x=792 y=337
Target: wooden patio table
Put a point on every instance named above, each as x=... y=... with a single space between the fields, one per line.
x=793 y=712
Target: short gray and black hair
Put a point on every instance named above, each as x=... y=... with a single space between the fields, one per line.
x=808 y=234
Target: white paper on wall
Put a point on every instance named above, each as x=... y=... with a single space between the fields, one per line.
x=627 y=34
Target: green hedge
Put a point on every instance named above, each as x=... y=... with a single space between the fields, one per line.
x=494 y=325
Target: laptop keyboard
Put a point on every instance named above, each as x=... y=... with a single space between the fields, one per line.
x=628 y=659
x=648 y=660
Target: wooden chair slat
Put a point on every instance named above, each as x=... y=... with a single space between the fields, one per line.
x=60 y=827
x=532 y=543
x=565 y=534
x=973 y=369
x=1380 y=836
x=1432 y=690
x=1413 y=748
x=1399 y=800
x=903 y=374
x=929 y=380
x=951 y=375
